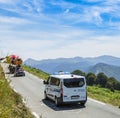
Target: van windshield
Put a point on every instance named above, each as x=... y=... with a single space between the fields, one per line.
x=75 y=82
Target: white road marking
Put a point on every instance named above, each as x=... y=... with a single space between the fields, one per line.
x=43 y=104
x=15 y=90
x=24 y=101
x=96 y=101
x=35 y=114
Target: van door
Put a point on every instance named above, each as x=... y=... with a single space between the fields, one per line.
x=74 y=89
x=53 y=87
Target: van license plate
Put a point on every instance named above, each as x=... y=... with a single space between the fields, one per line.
x=74 y=97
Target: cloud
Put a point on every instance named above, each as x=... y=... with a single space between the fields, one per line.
x=6 y=1
x=13 y=20
x=76 y=13
x=54 y=45
x=67 y=11
x=90 y=48
x=77 y=30
x=95 y=14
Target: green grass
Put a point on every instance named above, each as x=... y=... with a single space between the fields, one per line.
x=36 y=72
x=104 y=94
x=11 y=105
x=101 y=94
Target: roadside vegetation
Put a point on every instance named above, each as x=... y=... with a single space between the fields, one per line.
x=105 y=95
x=99 y=87
x=11 y=105
x=37 y=72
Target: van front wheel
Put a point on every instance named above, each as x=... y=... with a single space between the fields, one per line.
x=45 y=96
x=57 y=103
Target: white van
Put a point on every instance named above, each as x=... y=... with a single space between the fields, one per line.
x=66 y=88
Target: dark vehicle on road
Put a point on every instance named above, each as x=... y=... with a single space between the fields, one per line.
x=19 y=72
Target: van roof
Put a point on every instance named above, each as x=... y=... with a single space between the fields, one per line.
x=66 y=76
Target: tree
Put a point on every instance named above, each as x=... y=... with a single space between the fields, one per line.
x=78 y=72
x=91 y=78
x=117 y=87
x=101 y=79
x=111 y=82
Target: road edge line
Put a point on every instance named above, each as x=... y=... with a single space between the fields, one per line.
x=96 y=101
x=35 y=114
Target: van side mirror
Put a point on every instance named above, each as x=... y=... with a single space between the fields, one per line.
x=45 y=82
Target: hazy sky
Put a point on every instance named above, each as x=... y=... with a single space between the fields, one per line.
x=42 y=29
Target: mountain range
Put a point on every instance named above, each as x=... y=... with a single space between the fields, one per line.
x=109 y=65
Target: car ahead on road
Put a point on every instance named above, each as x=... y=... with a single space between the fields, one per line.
x=66 y=88
x=19 y=72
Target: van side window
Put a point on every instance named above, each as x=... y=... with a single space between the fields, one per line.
x=57 y=82
x=54 y=81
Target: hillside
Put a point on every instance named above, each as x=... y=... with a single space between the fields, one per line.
x=110 y=60
x=64 y=64
x=79 y=63
x=11 y=105
x=109 y=70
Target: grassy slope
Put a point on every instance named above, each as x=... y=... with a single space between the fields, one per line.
x=36 y=72
x=11 y=105
x=105 y=95
x=97 y=93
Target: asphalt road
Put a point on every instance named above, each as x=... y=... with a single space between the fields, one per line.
x=31 y=88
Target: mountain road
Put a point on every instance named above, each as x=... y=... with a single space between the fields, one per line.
x=31 y=88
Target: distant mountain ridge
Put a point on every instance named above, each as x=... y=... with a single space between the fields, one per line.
x=111 y=60
x=109 y=70
x=108 y=64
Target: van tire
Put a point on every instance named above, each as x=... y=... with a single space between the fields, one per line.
x=57 y=101
x=82 y=103
x=45 y=96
